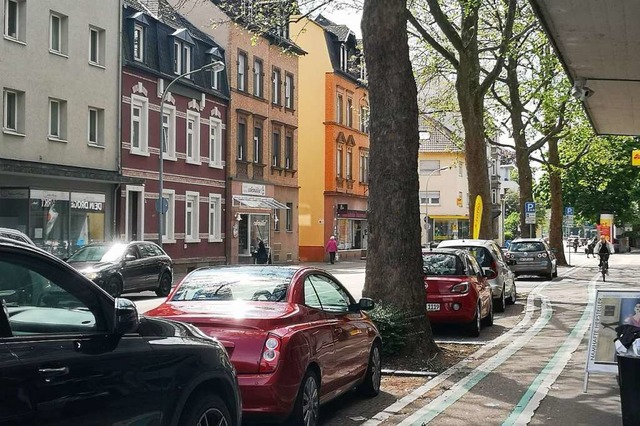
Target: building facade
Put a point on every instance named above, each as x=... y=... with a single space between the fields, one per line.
x=262 y=156
x=59 y=146
x=334 y=140
x=160 y=45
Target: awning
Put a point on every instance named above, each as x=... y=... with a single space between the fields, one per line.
x=257 y=202
x=444 y=216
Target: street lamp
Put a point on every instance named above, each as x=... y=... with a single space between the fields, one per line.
x=215 y=66
x=426 y=206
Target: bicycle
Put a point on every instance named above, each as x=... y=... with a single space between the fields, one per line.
x=604 y=268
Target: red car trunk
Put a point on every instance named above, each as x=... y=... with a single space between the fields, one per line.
x=442 y=285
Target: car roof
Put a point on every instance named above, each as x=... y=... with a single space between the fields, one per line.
x=466 y=243
x=518 y=240
x=452 y=250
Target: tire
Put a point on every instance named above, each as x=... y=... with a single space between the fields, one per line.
x=371 y=385
x=164 y=285
x=488 y=320
x=554 y=274
x=114 y=287
x=306 y=410
x=205 y=406
x=473 y=328
x=501 y=303
x=514 y=295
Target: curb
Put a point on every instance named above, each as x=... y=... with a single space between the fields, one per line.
x=406 y=373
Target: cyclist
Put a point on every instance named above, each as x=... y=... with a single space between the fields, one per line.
x=604 y=248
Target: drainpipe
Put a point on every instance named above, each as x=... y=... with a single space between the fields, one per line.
x=114 y=212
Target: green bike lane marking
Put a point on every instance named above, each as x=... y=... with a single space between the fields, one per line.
x=539 y=388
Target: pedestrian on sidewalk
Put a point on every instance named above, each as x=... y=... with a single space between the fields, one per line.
x=332 y=249
x=261 y=255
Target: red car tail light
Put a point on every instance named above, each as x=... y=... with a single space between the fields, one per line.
x=270 y=354
x=494 y=269
x=460 y=288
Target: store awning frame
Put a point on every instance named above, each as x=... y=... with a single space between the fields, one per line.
x=448 y=216
x=258 y=203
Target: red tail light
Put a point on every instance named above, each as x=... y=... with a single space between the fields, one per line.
x=270 y=354
x=460 y=288
x=494 y=268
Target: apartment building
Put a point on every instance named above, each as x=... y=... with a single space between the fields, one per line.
x=162 y=57
x=60 y=144
x=334 y=139
x=262 y=156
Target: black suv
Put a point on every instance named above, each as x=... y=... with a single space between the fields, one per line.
x=121 y=267
x=70 y=354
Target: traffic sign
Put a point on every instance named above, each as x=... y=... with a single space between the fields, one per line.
x=529 y=207
x=530 y=218
x=568 y=211
x=165 y=205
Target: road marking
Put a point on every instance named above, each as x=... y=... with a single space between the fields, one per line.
x=422 y=390
x=539 y=388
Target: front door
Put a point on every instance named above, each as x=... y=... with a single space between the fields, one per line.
x=135 y=213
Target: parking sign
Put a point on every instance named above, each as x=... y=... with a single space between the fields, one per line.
x=529 y=207
x=568 y=211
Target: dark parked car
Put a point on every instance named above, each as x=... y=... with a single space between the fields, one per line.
x=532 y=256
x=125 y=267
x=296 y=336
x=457 y=289
x=70 y=354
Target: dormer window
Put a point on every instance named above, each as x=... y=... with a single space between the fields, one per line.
x=344 y=57
x=138 y=43
x=182 y=44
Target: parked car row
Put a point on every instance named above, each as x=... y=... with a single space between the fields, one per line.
x=255 y=341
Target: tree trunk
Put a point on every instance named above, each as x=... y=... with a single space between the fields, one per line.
x=555 y=191
x=394 y=262
x=471 y=102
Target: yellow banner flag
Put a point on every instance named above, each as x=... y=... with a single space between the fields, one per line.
x=477 y=217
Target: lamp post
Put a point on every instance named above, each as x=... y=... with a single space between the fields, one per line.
x=426 y=206
x=215 y=66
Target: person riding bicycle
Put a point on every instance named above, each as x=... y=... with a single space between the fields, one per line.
x=604 y=248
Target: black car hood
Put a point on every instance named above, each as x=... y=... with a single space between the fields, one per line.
x=92 y=266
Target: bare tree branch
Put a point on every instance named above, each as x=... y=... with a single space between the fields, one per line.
x=432 y=41
x=445 y=25
x=506 y=37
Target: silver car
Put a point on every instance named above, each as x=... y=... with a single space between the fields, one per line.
x=532 y=256
x=489 y=256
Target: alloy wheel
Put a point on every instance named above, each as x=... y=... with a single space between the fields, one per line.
x=310 y=402
x=212 y=417
x=376 y=368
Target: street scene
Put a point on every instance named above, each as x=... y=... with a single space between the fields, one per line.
x=319 y=212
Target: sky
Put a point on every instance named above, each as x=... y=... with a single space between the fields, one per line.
x=350 y=18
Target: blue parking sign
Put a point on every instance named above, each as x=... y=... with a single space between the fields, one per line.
x=568 y=211
x=530 y=207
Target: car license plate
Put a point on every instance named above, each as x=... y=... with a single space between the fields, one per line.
x=433 y=307
x=526 y=259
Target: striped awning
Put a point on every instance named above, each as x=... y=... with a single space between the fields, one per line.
x=250 y=202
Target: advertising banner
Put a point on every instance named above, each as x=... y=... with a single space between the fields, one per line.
x=477 y=217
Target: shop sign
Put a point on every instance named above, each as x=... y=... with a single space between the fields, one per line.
x=92 y=202
x=253 y=189
x=352 y=214
x=14 y=193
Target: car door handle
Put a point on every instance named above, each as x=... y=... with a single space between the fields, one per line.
x=53 y=372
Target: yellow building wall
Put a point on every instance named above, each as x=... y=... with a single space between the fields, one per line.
x=311 y=116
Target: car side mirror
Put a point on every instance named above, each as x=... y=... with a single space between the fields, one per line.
x=366 y=304
x=489 y=273
x=126 y=317
x=129 y=257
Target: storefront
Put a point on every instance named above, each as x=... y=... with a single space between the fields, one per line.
x=449 y=227
x=351 y=229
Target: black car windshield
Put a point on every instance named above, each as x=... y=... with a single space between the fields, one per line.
x=441 y=264
x=241 y=283
x=99 y=253
x=526 y=246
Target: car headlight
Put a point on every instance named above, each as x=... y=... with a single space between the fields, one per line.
x=91 y=275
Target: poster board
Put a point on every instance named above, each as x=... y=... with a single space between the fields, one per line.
x=612 y=308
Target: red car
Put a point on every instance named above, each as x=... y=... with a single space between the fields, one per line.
x=457 y=289
x=295 y=335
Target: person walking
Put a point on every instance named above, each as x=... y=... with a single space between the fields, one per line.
x=261 y=254
x=332 y=249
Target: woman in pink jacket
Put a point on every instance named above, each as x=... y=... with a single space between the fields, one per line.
x=332 y=248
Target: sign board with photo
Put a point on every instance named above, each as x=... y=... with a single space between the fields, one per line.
x=612 y=308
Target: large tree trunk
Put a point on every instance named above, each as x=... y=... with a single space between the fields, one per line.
x=555 y=190
x=471 y=102
x=394 y=263
x=525 y=177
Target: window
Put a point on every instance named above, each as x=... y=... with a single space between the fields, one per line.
x=428 y=167
x=364 y=166
x=242 y=140
x=364 y=119
x=349 y=160
x=96 y=46
x=242 y=72
x=275 y=149
x=169 y=132
x=96 y=126
x=15 y=13
x=215 y=218
x=215 y=143
x=257 y=145
x=193 y=137
x=289 y=217
x=276 y=220
x=13 y=106
x=57 y=119
x=181 y=58
x=332 y=297
x=339 y=161
x=258 y=79
x=344 y=57
x=168 y=226
x=431 y=197
x=288 y=152
x=275 y=86
x=288 y=91
x=191 y=232
x=58 y=33
x=339 y=113
x=186 y=59
x=460 y=169
x=139 y=125
x=349 y=112
x=138 y=43
x=494 y=196
x=363 y=68
x=177 y=57
x=216 y=79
